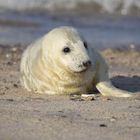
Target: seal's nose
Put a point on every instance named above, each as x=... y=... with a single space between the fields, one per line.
x=87 y=63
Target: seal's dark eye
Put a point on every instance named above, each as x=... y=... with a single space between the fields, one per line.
x=66 y=50
x=85 y=44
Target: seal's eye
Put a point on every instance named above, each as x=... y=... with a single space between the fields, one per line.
x=85 y=44
x=66 y=50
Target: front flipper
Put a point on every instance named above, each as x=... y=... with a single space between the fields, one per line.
x=103 y=84
x=107 y=89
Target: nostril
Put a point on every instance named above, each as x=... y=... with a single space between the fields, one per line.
x=87 y=63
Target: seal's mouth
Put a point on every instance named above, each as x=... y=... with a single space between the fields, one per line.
x=82 y=71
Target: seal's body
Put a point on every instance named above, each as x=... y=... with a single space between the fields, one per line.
x=61 y=62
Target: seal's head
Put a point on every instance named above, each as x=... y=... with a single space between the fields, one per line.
x=69 y=49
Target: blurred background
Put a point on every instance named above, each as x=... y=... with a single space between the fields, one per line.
x=104 y=23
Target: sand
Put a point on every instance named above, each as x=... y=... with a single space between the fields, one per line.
x=29 y=116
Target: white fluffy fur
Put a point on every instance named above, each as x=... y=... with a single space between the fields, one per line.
x=46 y=69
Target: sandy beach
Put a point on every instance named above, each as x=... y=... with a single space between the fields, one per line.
x=29 y=116
x=104 y=25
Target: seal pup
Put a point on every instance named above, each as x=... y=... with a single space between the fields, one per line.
x=61 y=62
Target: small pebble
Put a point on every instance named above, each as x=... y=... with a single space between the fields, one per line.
x=9 y=63
x=6 y=88
x=83 y=97
x=14 y=49
x=137 y=107
x=103 y=125
x=11 y=100
x=75 y=97
x=88 y=97
x=8 y=55
x=2 y=93
x=107 y=99
x=15 y=85
x=113 y=119
x=112 y=58
x=61 y=111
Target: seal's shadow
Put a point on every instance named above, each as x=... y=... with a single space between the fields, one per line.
x=131 y=84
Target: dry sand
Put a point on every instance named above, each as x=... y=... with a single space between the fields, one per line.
x=28 y=116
